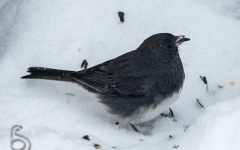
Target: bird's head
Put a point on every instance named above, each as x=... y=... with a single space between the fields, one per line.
x=163 y=43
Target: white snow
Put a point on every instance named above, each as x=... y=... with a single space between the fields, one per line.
x=61 y=34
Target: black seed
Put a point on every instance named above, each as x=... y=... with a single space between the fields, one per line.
x=220 y=86
x=121 y=16
x=70 y=94
x=116 y=123
x=175 y=146
x=204 y=79
x=199 y=103
x=86 y=137
x=97 y=146
x=170 y=136
x=84 y=64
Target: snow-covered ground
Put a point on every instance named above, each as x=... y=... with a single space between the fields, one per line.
x=61 y=34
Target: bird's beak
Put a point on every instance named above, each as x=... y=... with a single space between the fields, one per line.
x=181 y=39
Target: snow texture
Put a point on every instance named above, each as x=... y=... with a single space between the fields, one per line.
x=61 y=34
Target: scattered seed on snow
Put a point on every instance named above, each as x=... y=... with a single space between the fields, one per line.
x=175 y=146
x=86 y=137
x=70 y=94
x=97 y=146
x=84 y=64
x=204 y=79
x=185 y=129
x=121 y=16
x=199 y=103
x=67 y=101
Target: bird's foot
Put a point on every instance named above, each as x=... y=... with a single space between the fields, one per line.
x=170 y=115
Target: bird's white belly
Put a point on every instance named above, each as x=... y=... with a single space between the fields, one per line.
x=146 y=114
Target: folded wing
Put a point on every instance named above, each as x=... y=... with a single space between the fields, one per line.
x=119 y=76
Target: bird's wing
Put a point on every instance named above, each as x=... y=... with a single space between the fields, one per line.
x=94 y=77
x=118 y=76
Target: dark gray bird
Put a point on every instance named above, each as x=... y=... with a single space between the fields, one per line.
x=136 y=86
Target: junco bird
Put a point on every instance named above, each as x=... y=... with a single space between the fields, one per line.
x=136 y=86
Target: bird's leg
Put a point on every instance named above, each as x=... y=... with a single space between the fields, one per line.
x=134 y=128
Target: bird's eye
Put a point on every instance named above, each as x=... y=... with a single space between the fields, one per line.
x=169 y=46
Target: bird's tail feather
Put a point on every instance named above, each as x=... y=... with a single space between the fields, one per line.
x=48 y=74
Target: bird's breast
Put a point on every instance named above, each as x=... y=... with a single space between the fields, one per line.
x=148 y=113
